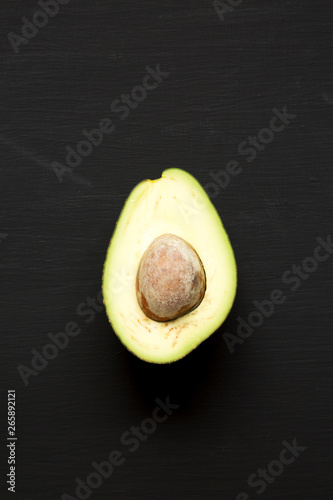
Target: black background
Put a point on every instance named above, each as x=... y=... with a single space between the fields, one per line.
x=225 y=78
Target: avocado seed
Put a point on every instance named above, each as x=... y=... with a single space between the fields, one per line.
x=171 y=280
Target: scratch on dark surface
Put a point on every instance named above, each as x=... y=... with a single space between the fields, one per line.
x=78 y=179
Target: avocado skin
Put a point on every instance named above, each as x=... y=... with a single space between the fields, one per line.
x=178 y=204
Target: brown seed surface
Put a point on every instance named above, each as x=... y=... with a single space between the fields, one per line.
x=171 y=280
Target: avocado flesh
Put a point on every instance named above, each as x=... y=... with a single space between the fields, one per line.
x=175 y=204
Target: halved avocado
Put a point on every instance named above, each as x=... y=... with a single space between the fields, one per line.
x=176 y=207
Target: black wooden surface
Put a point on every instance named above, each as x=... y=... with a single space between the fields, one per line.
x=225 y=78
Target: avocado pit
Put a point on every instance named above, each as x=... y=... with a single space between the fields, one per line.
x=171 y=280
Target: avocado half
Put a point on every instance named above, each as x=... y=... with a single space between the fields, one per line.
x=175 y=204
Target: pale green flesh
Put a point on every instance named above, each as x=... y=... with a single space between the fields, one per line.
x=177 y=204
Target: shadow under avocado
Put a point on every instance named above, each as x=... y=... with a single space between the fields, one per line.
x=188 y=382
